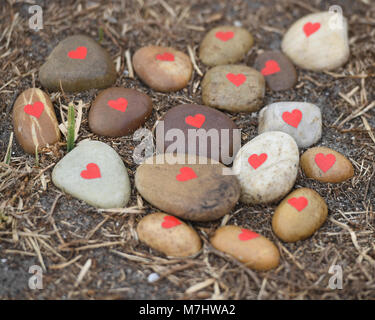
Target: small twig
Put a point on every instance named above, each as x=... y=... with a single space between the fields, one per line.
x=192 y=58
x=129 y=63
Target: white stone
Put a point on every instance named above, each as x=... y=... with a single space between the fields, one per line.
x=110 y=190
x=275 y=177
x=279 y=116
x=326 y=48
x=152 y=277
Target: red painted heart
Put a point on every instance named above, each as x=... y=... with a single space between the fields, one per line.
x=170 y=222
x=247 y=235
x=166 y=56
x=310 y=28
x=92 y=171
x=256 y=161
x=325 y=162
x=187 y=173
x=79 y=53
x=196 y=121
x=224 y=35
x=270 y=67
x=292 y=118
x=298 y=203
x=35 y=109
x=236 y=79
x=119 y=104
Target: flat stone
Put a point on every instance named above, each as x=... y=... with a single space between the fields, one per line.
x=224 y=45
x=119 y=112
x=299 y=215
x=233 y=88
x=169 y=235
x=277 y=69
x=93 y=172
x=326 y=165
x=197 y=192
x=267 y=167
x=34 y=120
x=204 y=121
x=163 y=69
x=301 y=120
x=249 y=247
x=77 y=63
x=315 y=42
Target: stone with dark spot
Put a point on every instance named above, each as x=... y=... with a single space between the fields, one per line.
x=198 y=191
x=119 y=111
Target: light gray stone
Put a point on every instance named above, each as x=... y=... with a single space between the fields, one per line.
x=109 y=189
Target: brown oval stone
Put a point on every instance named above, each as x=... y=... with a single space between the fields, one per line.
x=299 y=215
x=197 y=192
x=213 y=129
x=326 y=165
x=224 y=45
x=277 y=69
x=250 y=248
x=119 y=111
x=234 y=88
x=169 y=235
x=163 y=69
x=34 y=120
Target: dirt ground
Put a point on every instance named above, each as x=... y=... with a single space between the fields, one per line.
x=41 y=226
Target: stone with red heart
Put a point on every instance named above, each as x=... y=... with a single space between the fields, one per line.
x=196 y=121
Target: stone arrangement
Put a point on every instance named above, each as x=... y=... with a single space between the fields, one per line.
x=264 y=169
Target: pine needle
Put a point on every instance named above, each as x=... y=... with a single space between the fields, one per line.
x=71 y=126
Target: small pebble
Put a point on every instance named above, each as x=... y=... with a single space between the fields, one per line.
x=163 y=69
x=326 y=165
x=152 y=277
x=299 y=215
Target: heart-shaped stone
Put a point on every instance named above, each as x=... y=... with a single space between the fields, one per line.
x=271 y=67
x=35 y=109
x=166 y=56
x=247 y=235
x=79 y=53
x=92 y=172
x=196 y=121
x=170 y=222
x=325 y=162
x=186 y=174
x=299 y=203
x=292 y=118
x=224 y=35
x=256 y=161
x=310 y=28
x=119 y=104
x=236 y=79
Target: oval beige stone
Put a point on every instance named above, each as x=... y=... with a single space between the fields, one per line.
x=169 y=235
x=163 y=69
x=326 y=165
x=234 y=88
x=250 y=248
x=299 y=215
x=225 y=44
x=34 y=120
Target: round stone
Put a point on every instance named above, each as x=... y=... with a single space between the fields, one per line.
x=250 y=248
x=301 y=120
x=193 y=189
x=233 y=88
x=93 y=172
x=169 y=235
x=277 y=69
x=267 y=167
x=326 y=165
x=196 y=129
x=78 y=63
x=318 y=41
x=34 y=120
x=224 y=45
x=119 y=112
x=163 y=69
x=299 y=215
